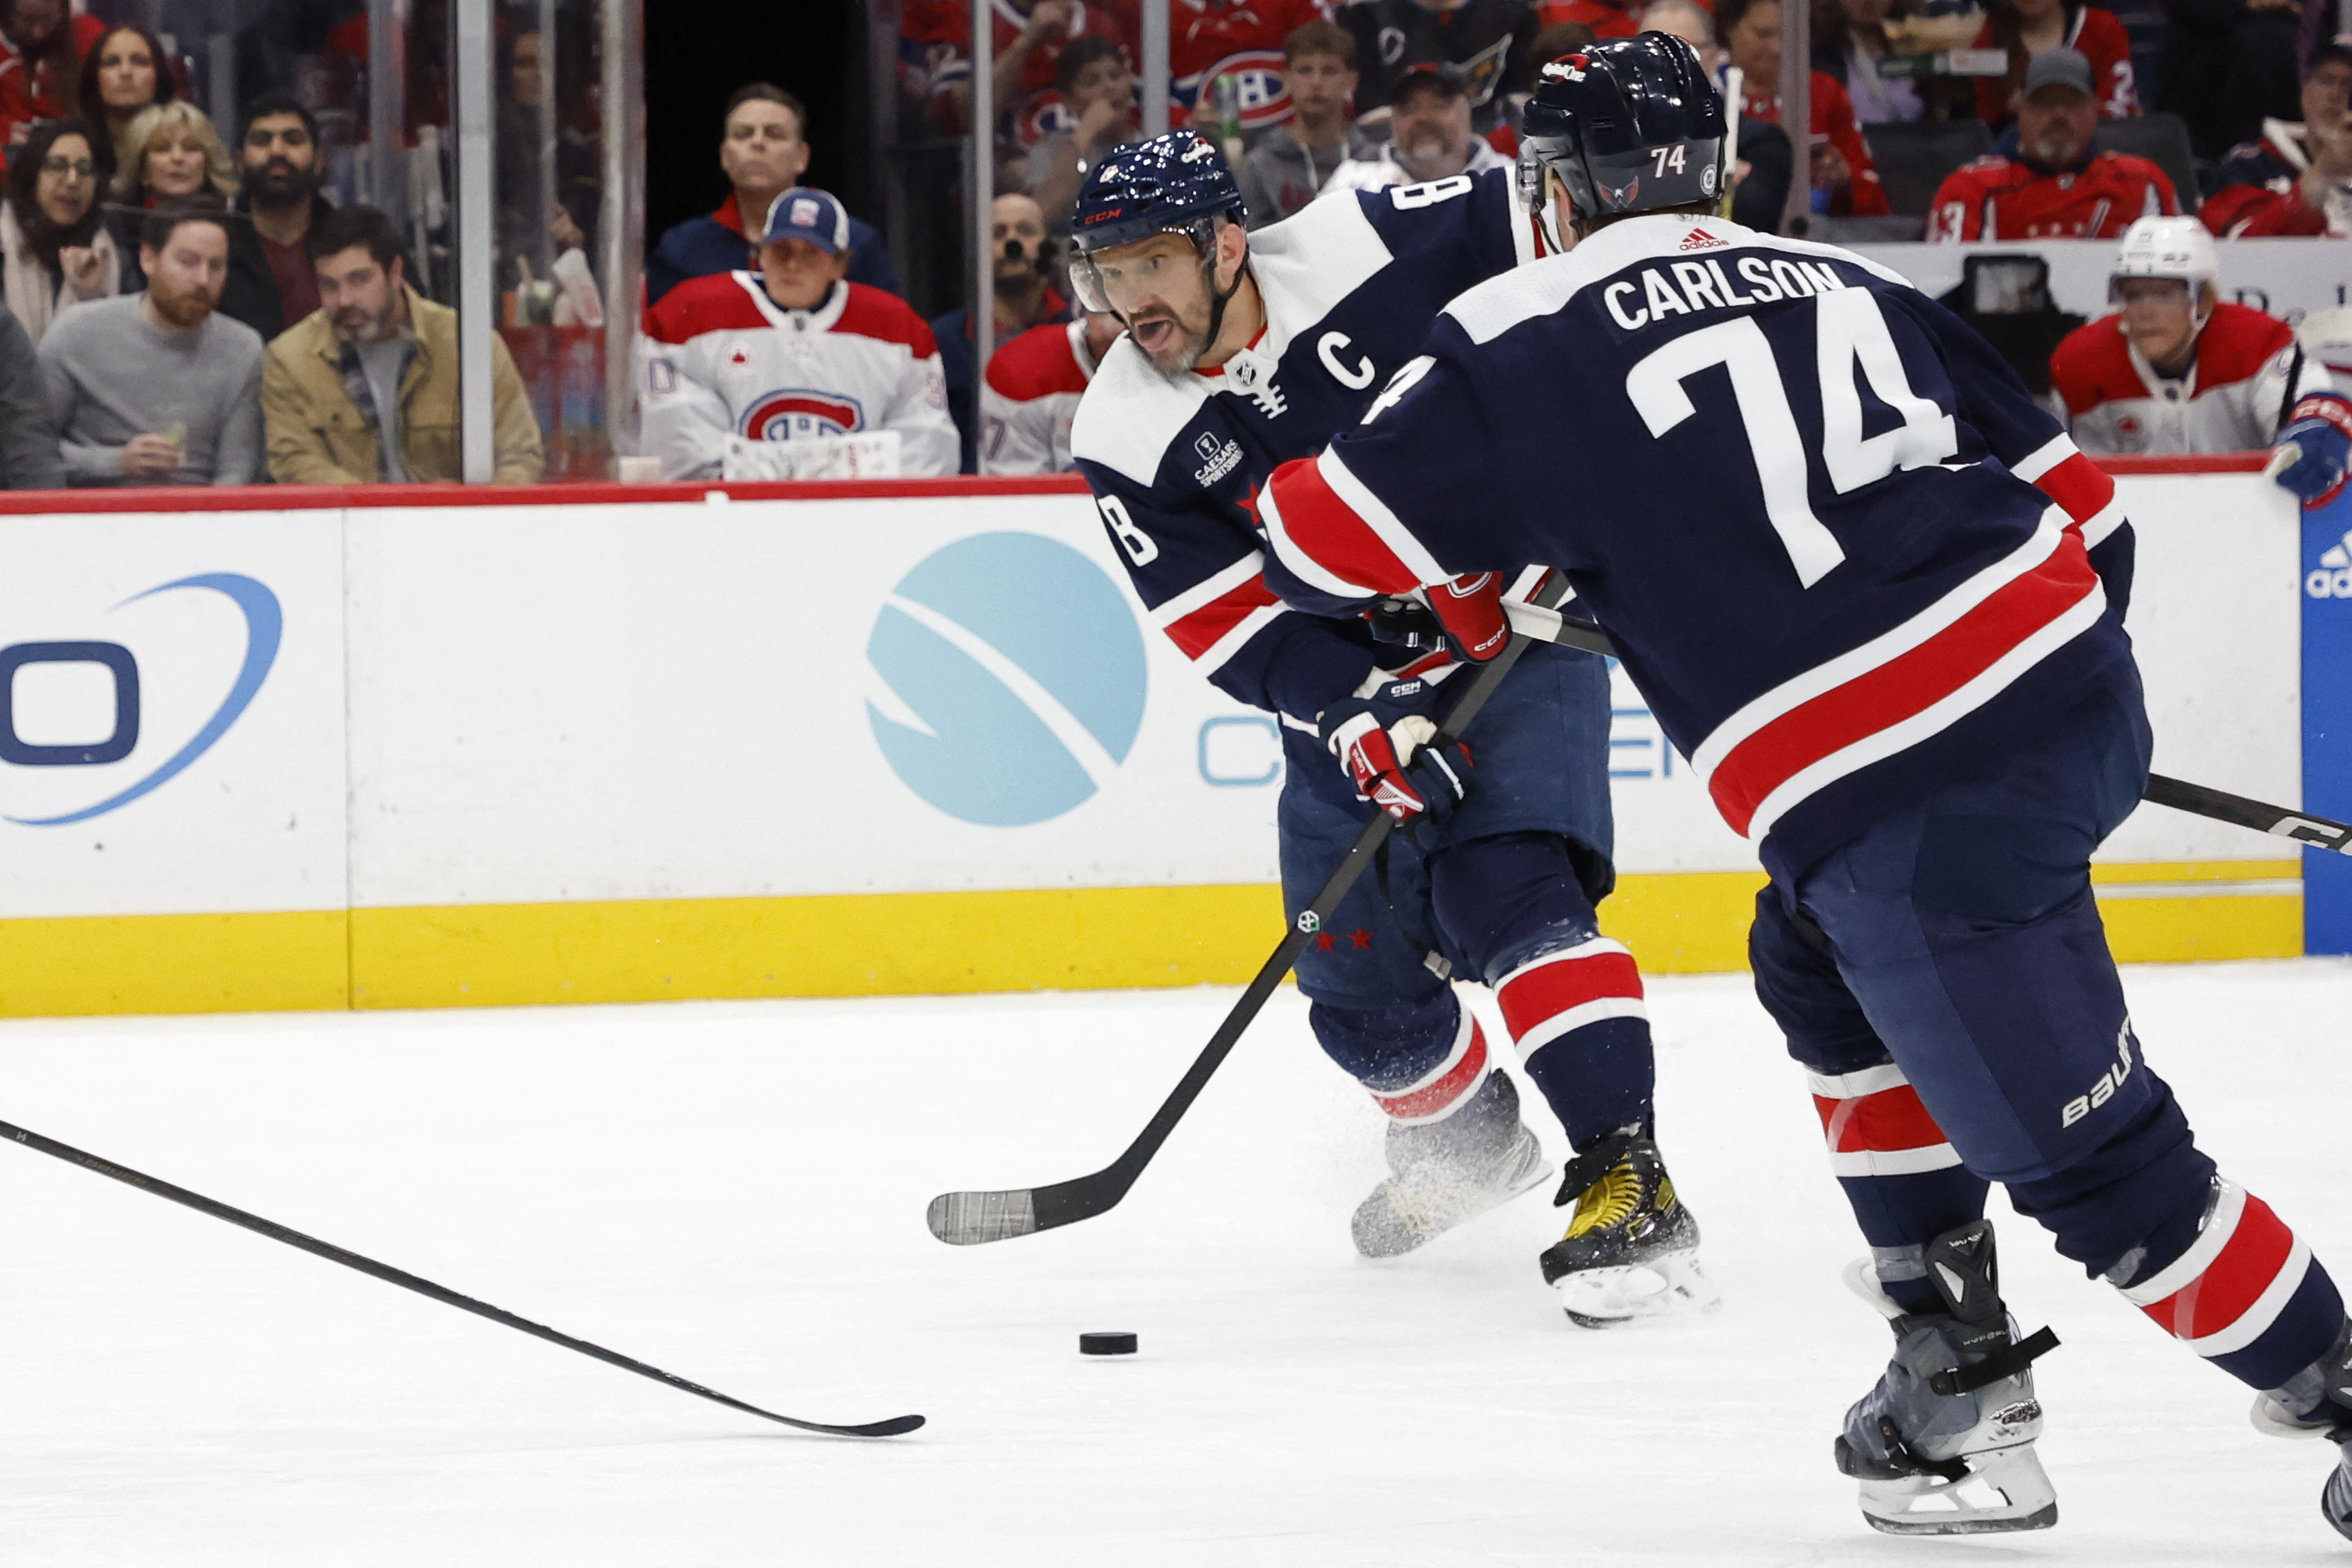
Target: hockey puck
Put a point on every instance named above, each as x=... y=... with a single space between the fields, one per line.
x=1107 y=1345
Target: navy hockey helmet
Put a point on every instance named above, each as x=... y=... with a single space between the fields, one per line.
x=1630 y=125
x=1175 y=183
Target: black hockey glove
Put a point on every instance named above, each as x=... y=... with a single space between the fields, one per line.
x=1383 y=743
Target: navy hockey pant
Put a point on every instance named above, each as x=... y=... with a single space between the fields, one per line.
x=1945 y=981
x=1503 y=891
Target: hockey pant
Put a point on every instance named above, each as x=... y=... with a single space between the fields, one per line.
x=1945 y=981
x=1503 y=892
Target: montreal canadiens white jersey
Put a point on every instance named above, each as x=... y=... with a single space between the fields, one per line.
x=725 y=361
x=1035 y=383
x=2248 y=372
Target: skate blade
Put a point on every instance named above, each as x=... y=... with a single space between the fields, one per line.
x=1381 y=1230
x=1665 y=1287
x=2005 y=1491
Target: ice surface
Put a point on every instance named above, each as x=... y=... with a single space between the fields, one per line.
x=736 y=1193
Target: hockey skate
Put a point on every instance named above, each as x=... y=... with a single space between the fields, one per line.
x=1445 y=1173
x=1632 y=1248
x=2317 y=1403
x=1944 y=1445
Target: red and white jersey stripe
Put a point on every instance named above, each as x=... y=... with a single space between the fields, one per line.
x=1904 y=685
x=2083 y=488
x=1548 y=996
x=2232 y=1284
x=1436 y=1094
x=1875 y=1126
x=1217 y=616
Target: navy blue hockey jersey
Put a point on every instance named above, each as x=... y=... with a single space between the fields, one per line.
x=1352 y=285
x=1840 y=551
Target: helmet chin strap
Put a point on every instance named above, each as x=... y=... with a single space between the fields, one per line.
x=1217 y=300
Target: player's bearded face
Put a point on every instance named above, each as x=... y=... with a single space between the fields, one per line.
x=1160 y=288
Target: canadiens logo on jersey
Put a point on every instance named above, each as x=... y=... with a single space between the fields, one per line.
x=796 y=414
x=1257 y=81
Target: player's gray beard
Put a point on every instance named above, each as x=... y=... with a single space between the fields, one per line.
x=1192 y=352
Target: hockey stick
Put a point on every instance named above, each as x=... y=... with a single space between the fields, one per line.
x=2198 y=800
x=391 y=1276
x=967 y=1219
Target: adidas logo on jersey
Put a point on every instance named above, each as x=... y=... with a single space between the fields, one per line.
x=1699 y=239
x=2332 y=578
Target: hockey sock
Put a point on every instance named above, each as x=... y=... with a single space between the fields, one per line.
x=1419 y=1061
x=1902 y=1175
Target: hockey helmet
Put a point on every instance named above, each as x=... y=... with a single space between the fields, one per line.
x=2169 y=247
x=1630 y=125
x=1175 y=183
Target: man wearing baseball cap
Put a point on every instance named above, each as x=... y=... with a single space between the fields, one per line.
x=793 y=352
x=2058 y=186
x=1431 y=136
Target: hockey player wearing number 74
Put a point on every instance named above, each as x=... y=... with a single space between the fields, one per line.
x=1904 y=675
x=1241 y=351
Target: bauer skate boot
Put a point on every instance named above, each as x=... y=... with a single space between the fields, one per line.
x=1632 y=1248
x=1450 y=1170
x=1944 y=1445
x=2317 y=1403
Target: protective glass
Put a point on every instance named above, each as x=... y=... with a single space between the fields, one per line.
x=1110 y=282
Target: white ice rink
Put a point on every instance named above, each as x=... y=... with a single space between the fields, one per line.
x=736 y=1193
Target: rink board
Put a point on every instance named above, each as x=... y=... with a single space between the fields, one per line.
x=827 y=741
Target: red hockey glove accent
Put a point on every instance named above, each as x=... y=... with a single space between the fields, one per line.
x=1471 y=608
x=1422 y=784
x=2316 y=444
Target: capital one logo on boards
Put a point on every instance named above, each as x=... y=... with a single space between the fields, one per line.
x=264 y=625
x=1010 y=680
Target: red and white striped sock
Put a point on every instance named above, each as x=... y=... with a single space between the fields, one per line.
x=1438 y=1092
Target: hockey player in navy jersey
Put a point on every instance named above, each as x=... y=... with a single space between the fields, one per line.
x=1244 y=350
x=1877 y=597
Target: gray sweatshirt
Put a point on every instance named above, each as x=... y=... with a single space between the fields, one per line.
x=28 y=446
x=114 y=374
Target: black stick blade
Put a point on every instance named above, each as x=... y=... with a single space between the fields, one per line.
x=896 y=1426
x=970 y=1219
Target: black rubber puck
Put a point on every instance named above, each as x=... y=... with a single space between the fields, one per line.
x=1107 y=1345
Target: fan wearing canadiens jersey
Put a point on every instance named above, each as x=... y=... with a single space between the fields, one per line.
x=793 y=354
x=1877 y=597
x=2177 y=369
x=1244 y=350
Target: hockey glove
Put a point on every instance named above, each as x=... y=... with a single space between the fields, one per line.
x=1390 y=758
x=1471 y=608
x=2319 y=433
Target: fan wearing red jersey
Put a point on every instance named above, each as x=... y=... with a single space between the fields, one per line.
x=2028 y=28
x=1239 y=39
x=935 y=56
x=2296 y=179
x=1845 y=183
x=2059 y=186
x=793 y=354
x=2176 y=370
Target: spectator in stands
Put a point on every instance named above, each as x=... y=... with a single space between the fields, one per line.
x=764 y=150
x=1432 y=137
x=578 y=190
x=2029 y=29
x=1487 y=46
x=1291 y=164
x=2229 y=65
x=1029 y=36
x=54 y=250
x=1688 y=20
x=1240 y=39
x=171 y=150
x=2176 y=369
x=40 y=63
x=1025 y=297
x=157 y=387
x=271 y=284
x=2057 y=187
x=792 y=352
x=1845 y=183
x=125 y=73
x=1098 y=90
x=28 y=446
x=1849 y=40
x=1033 y=387
x=2297 y=179
x=1605 y=19
x=364 y=390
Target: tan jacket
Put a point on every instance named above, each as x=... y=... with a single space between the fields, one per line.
x=317 y=436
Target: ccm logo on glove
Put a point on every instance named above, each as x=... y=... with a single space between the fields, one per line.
x=1395 y=767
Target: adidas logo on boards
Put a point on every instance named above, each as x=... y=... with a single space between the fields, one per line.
x=1699 y=239
x=2332 y=578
